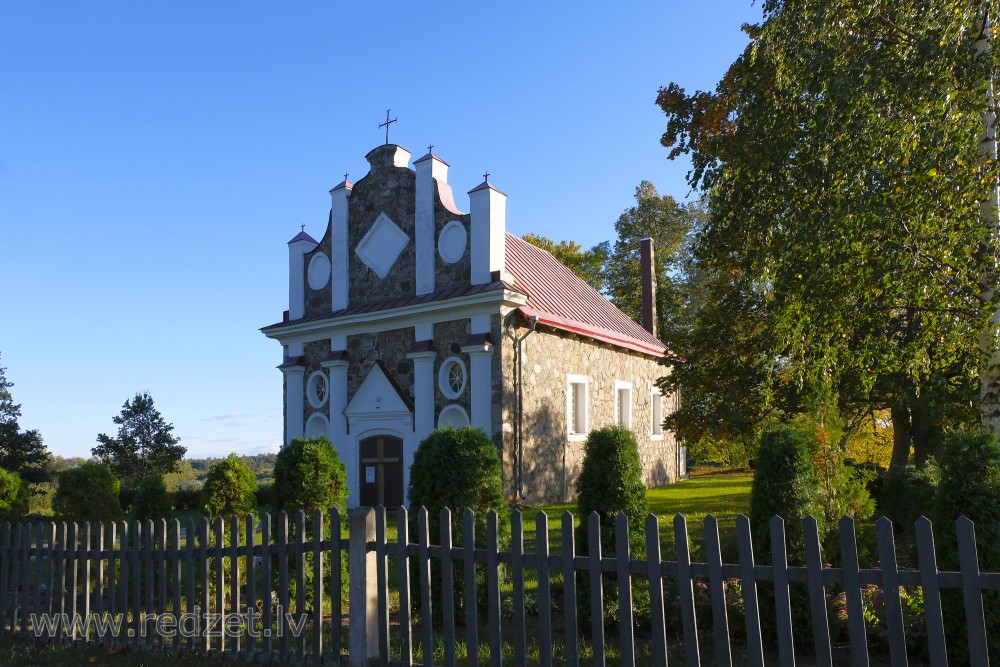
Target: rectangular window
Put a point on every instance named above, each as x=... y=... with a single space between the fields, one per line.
x=656 y=412
x=623 y=403
x=576 y=406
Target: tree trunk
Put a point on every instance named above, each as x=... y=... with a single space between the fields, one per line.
x=989 y=379
x=921 y=421
x=900 y=439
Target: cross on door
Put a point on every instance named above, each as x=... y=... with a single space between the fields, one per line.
x=374 y=467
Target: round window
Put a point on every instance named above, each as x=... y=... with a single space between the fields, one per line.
x=453 y=416
x=452 y=377
x=317 y=390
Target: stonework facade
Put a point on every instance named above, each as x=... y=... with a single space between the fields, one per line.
x=409 y=315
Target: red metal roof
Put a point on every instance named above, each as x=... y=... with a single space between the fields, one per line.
x=562 y=300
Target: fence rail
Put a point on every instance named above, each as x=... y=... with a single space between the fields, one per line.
x=253 y=590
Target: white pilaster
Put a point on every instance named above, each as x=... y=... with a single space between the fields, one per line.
x=338 y=244
x=430 y=169
x=297 y=249
x=423 y=393
x=488 y=208
x=294 y=396
x=481 y=385
x=338 y=425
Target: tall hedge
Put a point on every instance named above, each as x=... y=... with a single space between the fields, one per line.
x=784 y=484
x=13 y=496
x=230 y=489
x=457 y=468
x=610 y=483
x=88 y=492
x=309 y=475
x=152 y=500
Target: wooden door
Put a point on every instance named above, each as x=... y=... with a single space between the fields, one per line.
x=381 y=471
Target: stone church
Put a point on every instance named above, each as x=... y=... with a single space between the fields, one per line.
x=409 y=315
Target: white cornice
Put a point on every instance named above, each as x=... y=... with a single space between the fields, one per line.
x=399 y=318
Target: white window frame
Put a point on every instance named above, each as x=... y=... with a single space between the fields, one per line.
x=444 y=385
x=655 y=416
x=623 y=419
x=575 y=430
x=311 y=394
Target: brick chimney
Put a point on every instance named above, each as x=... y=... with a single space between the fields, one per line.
x=648 y=286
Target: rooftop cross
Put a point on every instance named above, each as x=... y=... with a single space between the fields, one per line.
x=386 y=125
x=486 y=177
x=302 y=228
x=346 y=173
x=430 y=149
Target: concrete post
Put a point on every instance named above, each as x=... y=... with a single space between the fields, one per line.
x=363 y=610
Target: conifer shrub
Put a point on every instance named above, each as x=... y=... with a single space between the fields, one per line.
x=457 y=468
x=13 y=496
x=88 y=492
x=785 y=484
x=910 y=494
x=610 y=483
x=152 y=501
x=230 y=489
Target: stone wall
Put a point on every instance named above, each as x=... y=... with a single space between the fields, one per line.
x=389 y=347
x=313 y=354
x=552 y=458
x=449 y=337
x=318 y=302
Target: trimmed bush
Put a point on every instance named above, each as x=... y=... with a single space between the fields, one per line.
x=88 y=492
x=265 y=494
x=909 y=495
x=610 y=484
x=152 y=501
x=13 y=496
x=230 y=489
x=457 y=468
x=785 y=484
x=187 y=496
x=308 y=475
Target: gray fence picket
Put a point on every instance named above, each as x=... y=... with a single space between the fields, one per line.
x=220 y=577
x=717 y=590
x=5 y=548
x=569 y=591
x=336 y=598
x=281 y=532
x=98 y=604
x=190 y=573
x=544 y=590
x=268 y=579
x=471 y=600
x=596 y=579
x=685 y=588
x=972 y=592
x=817 y=593
x=234 y=580
x=145 y=637
x=299 y=552
x=426 y=603
x=517 y=575
x=493 y=589
x=161 y=603
x=751 y=602
x=250 y=540
x=382 y=579
x=26 y=581
x=447 y=589
x=402 y=551
x=123 y=574
x=74 y=581
x=204 y=592
x=782 y=593
x=890 y=592
x=927 y=559
x=654 y=576
x=852 y=591
x=50 y=558
x=86 y=566
x=175 y=561
x=627 y=632
x=317 y=573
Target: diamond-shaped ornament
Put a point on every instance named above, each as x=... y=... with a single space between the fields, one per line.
x=380 y=247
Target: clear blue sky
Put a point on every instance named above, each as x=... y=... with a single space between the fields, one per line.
x=155 y=158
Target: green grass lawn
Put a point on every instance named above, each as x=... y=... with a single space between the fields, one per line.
x=724 y=495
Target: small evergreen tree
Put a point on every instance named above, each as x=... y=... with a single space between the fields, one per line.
x=145 y=442
x=230 y=489
x=13 y=496
x=152 y=500
x=308 y=475
x=88 y=493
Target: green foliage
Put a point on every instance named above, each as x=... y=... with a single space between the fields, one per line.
x=144 y=443
x=729 y=453
x=22 y=452
x=785 y=484
x=265 y=494
x=909 y=495
x=152 y=500
x=610 y=483
x=88 y=492
x=187 y=497
x=183 y=473
x=855 y=233
x=13 y=496
x=309 y=475
x=230 y=490
x=587 y=264
x=457 y=468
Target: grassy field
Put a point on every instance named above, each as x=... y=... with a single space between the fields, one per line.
x=725 y=495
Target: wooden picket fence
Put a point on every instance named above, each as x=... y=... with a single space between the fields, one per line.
x=528 y=613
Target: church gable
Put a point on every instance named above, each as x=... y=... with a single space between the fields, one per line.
x=377 y=399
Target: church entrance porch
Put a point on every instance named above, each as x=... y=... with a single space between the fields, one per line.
x=381 y=471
